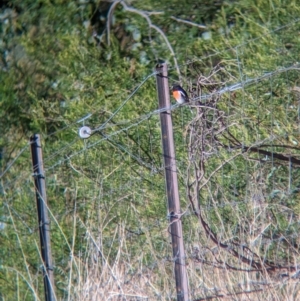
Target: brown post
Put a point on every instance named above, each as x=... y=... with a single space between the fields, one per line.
x=43 y=219
x=172 y=183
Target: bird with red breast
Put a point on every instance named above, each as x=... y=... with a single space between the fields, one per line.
x=180 y=94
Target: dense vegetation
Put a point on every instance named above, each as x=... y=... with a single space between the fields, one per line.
x=237 y=156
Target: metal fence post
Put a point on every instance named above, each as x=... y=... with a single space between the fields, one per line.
x=172 y=183
x=43 y=219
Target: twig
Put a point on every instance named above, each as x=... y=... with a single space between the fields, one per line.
x=151 y=25
x=109 y=15
x=189 y=23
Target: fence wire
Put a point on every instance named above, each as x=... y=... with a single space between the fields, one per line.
x=238 y=167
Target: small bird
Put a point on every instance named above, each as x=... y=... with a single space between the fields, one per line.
x=179 y=94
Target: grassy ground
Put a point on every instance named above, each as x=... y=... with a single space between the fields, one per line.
x=237 y=153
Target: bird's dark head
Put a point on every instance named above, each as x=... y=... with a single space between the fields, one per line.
x=176 y=87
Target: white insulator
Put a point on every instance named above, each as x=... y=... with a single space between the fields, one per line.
x=84 y=132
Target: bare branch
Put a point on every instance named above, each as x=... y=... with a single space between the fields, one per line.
x=109 y=16
x=151 y=25
x=189 y=22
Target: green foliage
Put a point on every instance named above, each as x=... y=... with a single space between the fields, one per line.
x=60 y=62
